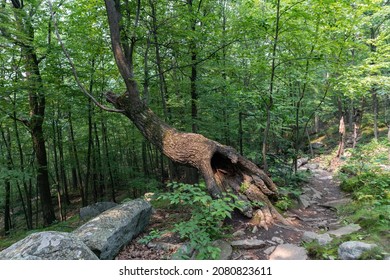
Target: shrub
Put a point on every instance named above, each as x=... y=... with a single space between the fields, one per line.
x=208 y=215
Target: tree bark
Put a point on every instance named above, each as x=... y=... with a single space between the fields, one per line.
x=340 y=151
x=7 y=183
x=375 y=113
x=222 y=167
x=37 y=112
x=76 y=171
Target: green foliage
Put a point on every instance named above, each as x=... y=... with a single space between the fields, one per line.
x=375 y=253
x=322 y=252
x=330 y=250
x=153 y=234
x=289 y=185
x=208 y=215
x=284 y=203
x=365 y=177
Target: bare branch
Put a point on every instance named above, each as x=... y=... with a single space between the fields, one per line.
x=74 y=71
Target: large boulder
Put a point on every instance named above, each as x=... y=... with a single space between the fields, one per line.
x=352 y=250
x=92 y=211
x=346 y=230
x=322 y=239
x=289 y=252
x=107 y=233
x=48 y=245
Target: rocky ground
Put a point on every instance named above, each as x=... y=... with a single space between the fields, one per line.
x=314 y=219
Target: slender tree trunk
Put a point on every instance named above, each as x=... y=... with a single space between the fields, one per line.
x=225 y=114
x=64 y=179
x=27 y=188
x=76 y=171
x=56 y=171
x=374 y=94
x=340 y=151
x=375 y=109
x=89 y=153
x=107 y=154
x=240 y=133
x=269 y=104
x=194 y=70
x=316 y=123
x=264 y=149
x=162 y=83
x=99 y=164
x=7 y=184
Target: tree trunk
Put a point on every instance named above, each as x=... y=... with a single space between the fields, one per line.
x=107 y=154
x=340 y=150
x=357 y=118
x=56 y=170
x=37 y=103
x=27 y=188
x=269 y=104
x=222 y=167
x=375 y=109
x=64 y=179
x=7 y=183
x=76 y=171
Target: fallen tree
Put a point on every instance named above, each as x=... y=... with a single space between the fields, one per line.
x=222 y=167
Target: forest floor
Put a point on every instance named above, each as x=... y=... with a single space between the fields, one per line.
x=316 y=211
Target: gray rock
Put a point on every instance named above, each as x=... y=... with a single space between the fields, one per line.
x=107 y=233
x=336 y=203
x=269 y=250
x=248 y=244
x=163 y=246
x=226 y=249
x=385 y=167
x=352 y=250
x=317 y=145
x=345 y=230
x=184 y=252
x=304 y=200
x=316 y=194
x=255 y=229
x=312 y=166
x=238 y=233
x=289 y=252
x=92 y=211
x=322 y=239
x=277 y=240
x=302 y=161
x=325 y=178
x=48 y=245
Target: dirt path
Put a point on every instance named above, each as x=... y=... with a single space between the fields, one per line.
x=315 y=213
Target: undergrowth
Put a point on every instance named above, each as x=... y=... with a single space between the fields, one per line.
x=366 y=176
x=206 y=222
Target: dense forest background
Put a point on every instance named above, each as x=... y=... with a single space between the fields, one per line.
x=267 y=77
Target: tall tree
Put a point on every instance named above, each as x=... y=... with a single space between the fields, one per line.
x=23 y=37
